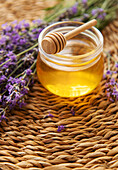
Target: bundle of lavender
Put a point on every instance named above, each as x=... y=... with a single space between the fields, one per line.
x=19 y=49
x=83 y=11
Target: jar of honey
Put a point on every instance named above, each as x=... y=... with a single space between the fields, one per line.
x=78 y=68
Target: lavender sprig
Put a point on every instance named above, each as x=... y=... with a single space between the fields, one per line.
x=85 y=10
x=111 y=83
x=60 y=128
x=18 y=55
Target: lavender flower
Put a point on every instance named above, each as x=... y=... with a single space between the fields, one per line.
x=108 y=72
x=60 y=128
x=11 y=56
x=16 y=67
x=74 y=8
x=28 y=72
x=49 y=115
x=116 y=65
x=2 y=113
x=84 y=3
x=112 y=81
x=94 y=12
x=99 y=13
x=37 y=21
x=73 y=112
x=3 y=117
x=111 y=91
x=0 y=98
x=86 y=16
x=104 y=76
x=2 y=79
x=26 y=25
x=16 y=92
x=115 y=72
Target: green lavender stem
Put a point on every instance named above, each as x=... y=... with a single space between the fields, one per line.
x=18 y=55
x=35 y=45
x=15 y=69
x=31 y=77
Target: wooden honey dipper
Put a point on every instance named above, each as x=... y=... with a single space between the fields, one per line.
x=56 y=41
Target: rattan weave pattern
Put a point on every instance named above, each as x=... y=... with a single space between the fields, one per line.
x=29 y=140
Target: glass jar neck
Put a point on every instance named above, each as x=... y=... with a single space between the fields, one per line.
x=72 y=62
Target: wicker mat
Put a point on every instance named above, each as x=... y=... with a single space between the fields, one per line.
x=29 y=139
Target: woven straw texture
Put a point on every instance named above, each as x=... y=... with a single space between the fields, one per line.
x=29 y=140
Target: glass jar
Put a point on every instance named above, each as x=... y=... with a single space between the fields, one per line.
x=78 y=68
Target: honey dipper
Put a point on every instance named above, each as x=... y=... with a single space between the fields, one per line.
x=56 y=41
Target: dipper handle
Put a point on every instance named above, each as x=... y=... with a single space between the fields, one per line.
x=82 y=28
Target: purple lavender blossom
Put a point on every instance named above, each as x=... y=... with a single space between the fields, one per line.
x=14 y=22
x=111 y=90
x=24 y=90
x=15 y=38
x=84 y=1
x=60 y=128
x=37 y=21
x=104 y=76
x=3 y=40
x=115 y=93
x=101 y=10
x=99 y=13
x=73 y=112
x=102 y=16
x=0 y=98
x=4 y=25
x=22 y=41
x=3 y=117
x=112 y=81
x=26 y=25
x=34 y=30
x=86 y=16
x=18 y=27
x=49 y=115
x=108 y=72
x=94 y=12
x=28 y=72
x=10 y=88
x=111 y=100
x=116 y=65
x=8 y=28
x=39 y=30
x=12 y=56
x=17 y=90
x=21 y=103
x=2 y=78
x=108 y=94
x=74 y=8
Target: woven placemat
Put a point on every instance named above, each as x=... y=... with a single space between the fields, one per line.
x=30 y=140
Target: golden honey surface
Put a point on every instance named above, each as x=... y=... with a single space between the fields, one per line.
x=72 y=83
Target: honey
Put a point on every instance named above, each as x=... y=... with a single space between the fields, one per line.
x=76 y=70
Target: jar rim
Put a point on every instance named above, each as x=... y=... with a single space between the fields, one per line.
x=78 y=62
x=41 y=36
